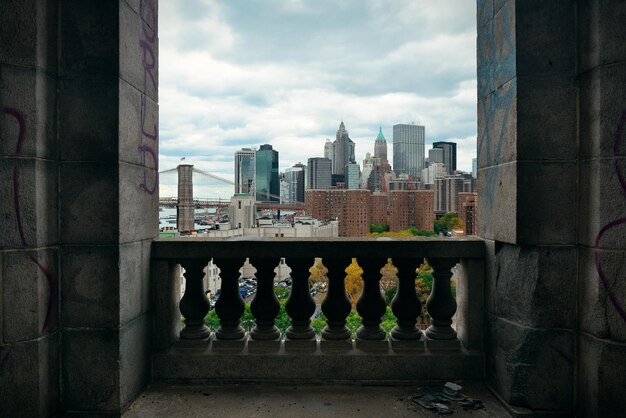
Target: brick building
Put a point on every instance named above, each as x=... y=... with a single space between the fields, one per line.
x=350 y=207
x=467 y=211
x=411 y=208
x=379 y=211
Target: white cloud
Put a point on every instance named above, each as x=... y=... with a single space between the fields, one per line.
x=366 y=63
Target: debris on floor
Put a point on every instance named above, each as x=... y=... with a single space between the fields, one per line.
x=443 y=400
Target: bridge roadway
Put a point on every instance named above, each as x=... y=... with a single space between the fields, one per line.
x=171 y=202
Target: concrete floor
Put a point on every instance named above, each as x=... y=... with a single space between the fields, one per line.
x=269 y=400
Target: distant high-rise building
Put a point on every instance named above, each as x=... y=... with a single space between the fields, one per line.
x=380 y=146
x=353 y=176
x=319 y=173
x=411 y=208
x=294 y=180
x=474 y=168
x=266 y=179
x=435 y=155
x=245 y=170
x=408 y=149
x=449 y=154
x=447 y=189
x=329 y=152
x=376 y=181
x=368 y=163
x=343 y=150
x=433 y=171
x=350 y=207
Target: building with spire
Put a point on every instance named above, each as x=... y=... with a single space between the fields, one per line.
x=343 y=150
x=380 y=146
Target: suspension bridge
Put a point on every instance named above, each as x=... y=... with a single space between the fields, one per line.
x=208 y=190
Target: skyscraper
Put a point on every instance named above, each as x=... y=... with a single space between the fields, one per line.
x=244 y=170
x=447 y=189
x=449 y=154
x=380 y=146
x=319 y=173
x=408 y=149
x=294 y=179
x=343 y=150
x=435 y=155
x=266 y=179
x=353 y=176
x=329 y=152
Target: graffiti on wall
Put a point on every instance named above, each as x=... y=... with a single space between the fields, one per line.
x=619 y=139
x=149 y=134
x=48 y=276
x=497 y=92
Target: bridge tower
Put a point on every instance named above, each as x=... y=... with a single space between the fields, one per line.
x=185 y=207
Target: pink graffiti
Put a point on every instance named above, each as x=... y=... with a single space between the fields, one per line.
x=50 y=278
x=605 y=283
x=148 y=14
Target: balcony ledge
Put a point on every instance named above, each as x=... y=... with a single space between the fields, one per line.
x=193 y=247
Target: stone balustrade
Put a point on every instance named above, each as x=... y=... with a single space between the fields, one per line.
x=464 y=341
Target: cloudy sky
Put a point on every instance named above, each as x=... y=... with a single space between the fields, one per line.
x=241 y=73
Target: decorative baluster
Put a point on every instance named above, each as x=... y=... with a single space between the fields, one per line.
x=371 y=305
x=405 y=304
x=230 y=305
x=194 y=304
x=265 y=305
x=300 y=305
x=440 y=304
x=336 y=306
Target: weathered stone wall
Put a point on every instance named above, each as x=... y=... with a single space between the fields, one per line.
x=549 y=91
x=602 y=209
x=29 y=208
x=78 y=176
x=108 y=131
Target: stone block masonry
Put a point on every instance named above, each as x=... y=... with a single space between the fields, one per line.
x=551 y=155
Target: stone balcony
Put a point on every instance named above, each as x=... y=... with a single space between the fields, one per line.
x=230 y=353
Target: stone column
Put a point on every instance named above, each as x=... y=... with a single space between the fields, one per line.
x=527 y=188
x=108 y=147
x=185 y=213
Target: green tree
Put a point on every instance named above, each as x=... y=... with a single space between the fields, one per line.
x=448 y=222
x=379 y=228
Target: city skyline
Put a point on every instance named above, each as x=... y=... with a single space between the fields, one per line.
x=227 y=86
